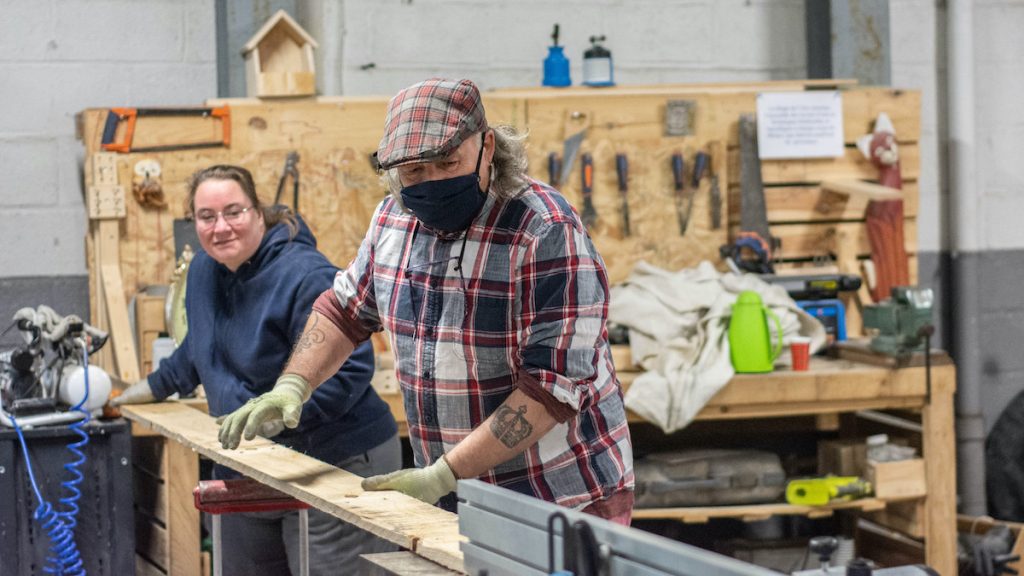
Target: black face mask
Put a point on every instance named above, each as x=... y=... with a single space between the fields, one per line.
x=447 y=205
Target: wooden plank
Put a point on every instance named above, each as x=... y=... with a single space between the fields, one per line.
x=811 y=203
x=144 y=567
x=852 y=165
x=113 y=296
x=907 y=517
x=700 y=515
x=400 y=564
x=861 y=189
x=861 y=106
x=939 y=451
x=182 y=467
x=822 y=239
x=422 y=528
x=151 y=542
x=150 y=495
x=669 y=89
x=148 y=455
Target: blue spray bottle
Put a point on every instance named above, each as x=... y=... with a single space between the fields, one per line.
x=556 y=65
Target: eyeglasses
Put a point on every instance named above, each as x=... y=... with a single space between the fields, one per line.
x=231 y=215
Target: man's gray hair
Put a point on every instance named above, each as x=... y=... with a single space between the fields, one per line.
x=508 y=166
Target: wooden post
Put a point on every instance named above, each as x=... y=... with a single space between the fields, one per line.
x=182 y=516
x=105 y=202
x=940 y=470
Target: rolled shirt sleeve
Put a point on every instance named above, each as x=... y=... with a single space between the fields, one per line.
x=564 y=305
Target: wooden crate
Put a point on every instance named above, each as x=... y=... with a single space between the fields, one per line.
x=897 y=480
x=166 y=522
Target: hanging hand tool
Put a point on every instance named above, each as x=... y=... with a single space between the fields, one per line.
x=752 y=249
x=291 y=168
x=716 y=195
x=678 y=167
x=622 y=168
x=700 y=164
x=130 y=115
x=587 y=187
x=554 y=169
x=570 y=148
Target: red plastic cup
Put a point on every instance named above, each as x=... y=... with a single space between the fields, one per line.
x=800 y=349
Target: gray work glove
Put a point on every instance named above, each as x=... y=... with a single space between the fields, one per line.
x=138 y=393
x=427 y=484
x=282 y=404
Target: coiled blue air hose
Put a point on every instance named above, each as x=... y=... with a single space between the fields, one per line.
x=64 y=557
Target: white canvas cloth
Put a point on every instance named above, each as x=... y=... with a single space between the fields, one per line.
x=678 y=330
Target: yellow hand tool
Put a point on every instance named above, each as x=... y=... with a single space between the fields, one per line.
x=821 y=491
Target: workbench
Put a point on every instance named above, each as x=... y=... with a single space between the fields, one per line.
x=829 y=388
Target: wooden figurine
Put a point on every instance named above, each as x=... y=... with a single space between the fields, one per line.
x=279 y=60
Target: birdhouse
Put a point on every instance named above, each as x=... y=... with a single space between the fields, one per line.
x=279 y=60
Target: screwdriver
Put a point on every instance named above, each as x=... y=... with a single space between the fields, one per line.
x=680 y=186
x=622 y=168
x=700 y=163
x=554 y=169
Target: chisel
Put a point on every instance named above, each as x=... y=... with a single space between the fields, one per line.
x=587 y=187
x=622 y=168
x=680 y=188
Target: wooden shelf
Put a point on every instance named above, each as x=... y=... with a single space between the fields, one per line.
x=754 y=512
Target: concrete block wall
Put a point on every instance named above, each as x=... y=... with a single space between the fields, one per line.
x=58 y=57
x=999 y=49
x=503 y=44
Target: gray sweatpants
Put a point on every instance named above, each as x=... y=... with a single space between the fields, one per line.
x=267 y=543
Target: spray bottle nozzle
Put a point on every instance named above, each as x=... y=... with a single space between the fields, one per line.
x=595 y=39
x=554 y=36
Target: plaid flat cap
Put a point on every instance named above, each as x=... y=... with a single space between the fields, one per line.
x=428 y=120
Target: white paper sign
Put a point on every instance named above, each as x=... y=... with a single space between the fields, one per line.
x=800 y=124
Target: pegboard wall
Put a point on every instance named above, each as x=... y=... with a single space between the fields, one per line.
x=334 y=138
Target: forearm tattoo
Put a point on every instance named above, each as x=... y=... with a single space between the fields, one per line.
x=510 y=426
x=311 y=337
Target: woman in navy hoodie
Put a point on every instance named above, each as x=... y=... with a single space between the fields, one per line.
x=249 y=294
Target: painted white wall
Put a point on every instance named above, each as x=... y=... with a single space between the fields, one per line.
x=503 y=44
x=999 y=84
x=58 y=57
x=917 y=63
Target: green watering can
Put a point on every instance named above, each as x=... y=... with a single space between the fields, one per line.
x=750 y=342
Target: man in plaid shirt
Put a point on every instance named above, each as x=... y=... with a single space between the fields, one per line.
x=495 y=300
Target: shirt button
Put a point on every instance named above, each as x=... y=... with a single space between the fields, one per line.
x=426 y=374
x=429 y=331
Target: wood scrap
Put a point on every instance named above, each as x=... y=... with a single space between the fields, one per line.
x=428 y=531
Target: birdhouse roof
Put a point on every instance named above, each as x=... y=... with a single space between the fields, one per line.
x=290 y=26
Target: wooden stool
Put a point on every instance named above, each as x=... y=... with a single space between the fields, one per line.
x=216 y=497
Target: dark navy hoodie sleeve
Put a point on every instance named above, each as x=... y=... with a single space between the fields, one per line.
x=176 y=373
x=242 y=327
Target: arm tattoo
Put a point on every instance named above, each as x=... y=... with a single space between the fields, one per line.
x=311 y=337
x=510 y=426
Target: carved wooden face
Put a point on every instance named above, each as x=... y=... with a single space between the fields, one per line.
x=884 y=150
